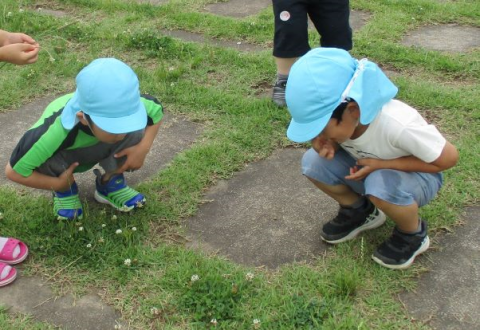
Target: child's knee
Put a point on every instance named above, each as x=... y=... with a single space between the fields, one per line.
x=388 y=186
x=313 y=165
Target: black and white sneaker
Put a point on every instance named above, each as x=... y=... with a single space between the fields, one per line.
x=350 y=222
x=400 y=250
x=278 y=95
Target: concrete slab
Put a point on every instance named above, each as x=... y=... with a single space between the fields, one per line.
x=200 y=38
x=238 y=8
x=175 y=135
x=447 y=297
x=52 y=12
x=268 y=214
x=152 y=2
x=31 y=295
x=448 y=38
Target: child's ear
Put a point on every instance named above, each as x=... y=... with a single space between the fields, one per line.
x=81 y=118
x=353 y=109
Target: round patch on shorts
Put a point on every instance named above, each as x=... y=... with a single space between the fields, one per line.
x=284 y=15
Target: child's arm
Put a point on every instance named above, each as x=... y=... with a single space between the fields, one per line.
x=136 y=155
x=42 y=181
x=447 y=159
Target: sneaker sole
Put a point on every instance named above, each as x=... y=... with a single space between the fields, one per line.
x=375 y=223
x=99 y=198
x=424 y=247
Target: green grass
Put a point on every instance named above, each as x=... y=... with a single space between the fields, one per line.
x=213 y=86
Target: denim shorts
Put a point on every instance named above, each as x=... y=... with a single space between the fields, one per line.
x=392 y=186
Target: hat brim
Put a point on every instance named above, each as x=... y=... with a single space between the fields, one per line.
x=69 y=113
x=121 y=125
x=303 y=132
x=126 y=124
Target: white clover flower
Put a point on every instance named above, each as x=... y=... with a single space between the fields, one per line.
x=154 y=311
x=134 y=228
x=103 y=225
x=194 y=278
x=80 y=228
x=9 y=14
x=214 y=322
x=249 y=276
x=21 y=10
x=1 y=216
x=127 y=262
x=256 y=323
x=117 y=326
x=114 y=217
x=239 y=43
x=89 y=245
x=118 y=231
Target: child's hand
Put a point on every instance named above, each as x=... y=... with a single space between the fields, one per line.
x=66 y=179
x=135 y=158
x=18 y=38
x=363 y=168
x=19 y=54
x=325 y=148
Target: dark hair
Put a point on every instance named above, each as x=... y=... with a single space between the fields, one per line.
x=340 y=109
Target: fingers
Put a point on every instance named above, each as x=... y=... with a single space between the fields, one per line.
x=20 y=53
x=26 y=38
x=121 y=153
x=72 y=168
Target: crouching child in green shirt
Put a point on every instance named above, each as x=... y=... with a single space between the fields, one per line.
x=106 y=122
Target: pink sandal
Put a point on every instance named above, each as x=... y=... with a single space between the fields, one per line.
x=6 y=254
x=9 y=277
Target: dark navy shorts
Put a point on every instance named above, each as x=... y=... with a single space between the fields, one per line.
x=330 y=17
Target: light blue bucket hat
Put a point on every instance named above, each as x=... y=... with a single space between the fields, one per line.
x=108 y=91
x=325 y=77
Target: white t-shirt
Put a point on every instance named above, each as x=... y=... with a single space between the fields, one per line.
x=397 y=131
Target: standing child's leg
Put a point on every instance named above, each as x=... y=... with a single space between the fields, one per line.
x=399 y=195
x=356 y=213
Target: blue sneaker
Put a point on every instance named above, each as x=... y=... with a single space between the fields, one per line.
x=67 y=205
x=117 y=194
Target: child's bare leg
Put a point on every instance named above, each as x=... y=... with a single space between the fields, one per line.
x=284 y=64
x=344 y=195
x=404 y=216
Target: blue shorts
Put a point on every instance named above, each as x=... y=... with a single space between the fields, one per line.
x=392 y=186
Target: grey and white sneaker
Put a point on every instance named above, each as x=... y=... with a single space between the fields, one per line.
x=350 y=222
x=278 y=95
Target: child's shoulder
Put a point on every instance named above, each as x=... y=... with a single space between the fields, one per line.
x=400 y=112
